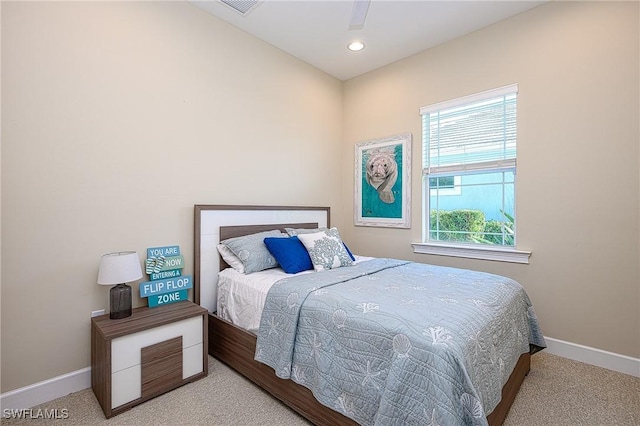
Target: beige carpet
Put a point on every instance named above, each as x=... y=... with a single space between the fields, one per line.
x=557 y=391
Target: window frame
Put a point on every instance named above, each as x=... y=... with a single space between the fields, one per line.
x=466 y=249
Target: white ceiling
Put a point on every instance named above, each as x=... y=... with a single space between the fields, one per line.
x=317 y=31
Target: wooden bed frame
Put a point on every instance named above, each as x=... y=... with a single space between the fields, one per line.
x=235 y=346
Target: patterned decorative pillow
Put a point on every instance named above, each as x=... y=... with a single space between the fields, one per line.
x=326 y=249
x=252 y=252
x=297 y=231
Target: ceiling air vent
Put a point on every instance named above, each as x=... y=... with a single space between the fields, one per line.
x=243 y=7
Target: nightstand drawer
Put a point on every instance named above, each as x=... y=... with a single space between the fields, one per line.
x=125 y=350
x=129 y=384
x=126 y=385
x=192 y=360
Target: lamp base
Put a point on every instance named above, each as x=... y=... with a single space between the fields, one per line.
x=120 y=296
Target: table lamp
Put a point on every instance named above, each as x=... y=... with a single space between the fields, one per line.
x=119 y=268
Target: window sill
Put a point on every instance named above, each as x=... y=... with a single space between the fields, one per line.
x=501 y=254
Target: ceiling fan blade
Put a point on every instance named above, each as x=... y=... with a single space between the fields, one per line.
x=359 y=14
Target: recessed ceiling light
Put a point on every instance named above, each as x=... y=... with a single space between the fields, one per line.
x=355 y=46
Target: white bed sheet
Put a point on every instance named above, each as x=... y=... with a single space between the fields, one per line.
x=241 y=296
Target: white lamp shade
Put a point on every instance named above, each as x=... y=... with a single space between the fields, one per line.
x=119 y=267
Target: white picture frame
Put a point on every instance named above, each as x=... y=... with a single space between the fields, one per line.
x=382 y=195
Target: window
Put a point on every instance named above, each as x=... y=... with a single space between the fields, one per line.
x=469 y=150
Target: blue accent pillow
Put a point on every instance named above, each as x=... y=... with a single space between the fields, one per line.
x=349 y=252
x=290 y=254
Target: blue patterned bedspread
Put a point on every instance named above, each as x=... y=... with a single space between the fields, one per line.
x=390 y=342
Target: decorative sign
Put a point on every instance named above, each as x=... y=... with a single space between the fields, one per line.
x=151 y=288
x=166 y=298
x=167 y=284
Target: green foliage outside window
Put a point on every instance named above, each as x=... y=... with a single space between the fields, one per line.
x=470 y=226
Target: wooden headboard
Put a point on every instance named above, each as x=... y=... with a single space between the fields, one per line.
x=214 y=223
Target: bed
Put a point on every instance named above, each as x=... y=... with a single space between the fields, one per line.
x=236 y=346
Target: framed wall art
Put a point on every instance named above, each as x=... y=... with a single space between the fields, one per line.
x=383 y=182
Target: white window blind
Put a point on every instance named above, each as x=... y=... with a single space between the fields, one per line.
x=471 y=133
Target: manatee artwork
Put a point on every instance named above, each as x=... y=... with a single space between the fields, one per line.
x=382 y=173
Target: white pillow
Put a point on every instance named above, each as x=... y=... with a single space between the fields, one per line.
x=231 y=259
x=326 y=249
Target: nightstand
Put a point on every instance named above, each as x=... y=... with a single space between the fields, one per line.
x=147 y=354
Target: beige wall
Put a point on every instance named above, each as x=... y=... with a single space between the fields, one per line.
x=577 y=66
x=117 y=118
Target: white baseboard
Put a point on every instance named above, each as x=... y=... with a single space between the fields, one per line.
x=609 y=360
x=39 y=393
x=45 y=391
